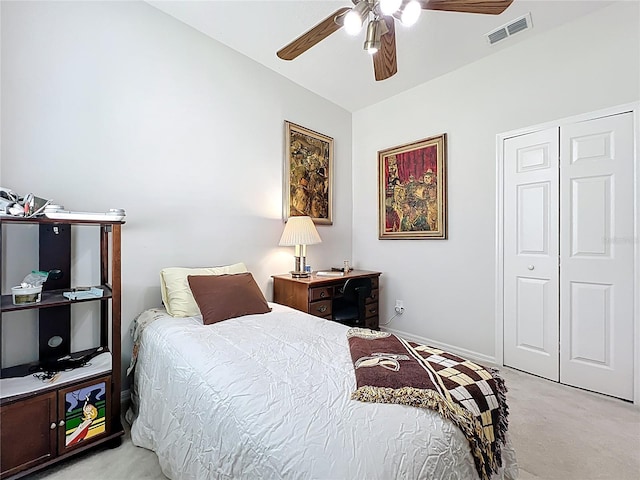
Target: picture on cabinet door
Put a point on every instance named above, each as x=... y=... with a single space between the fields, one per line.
x=85 y=413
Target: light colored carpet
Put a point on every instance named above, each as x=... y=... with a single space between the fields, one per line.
x=564 y=433
x=559 y=433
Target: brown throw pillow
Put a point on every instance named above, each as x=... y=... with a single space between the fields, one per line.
x=220 y=297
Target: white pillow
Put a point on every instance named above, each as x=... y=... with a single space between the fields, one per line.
x=176 y=294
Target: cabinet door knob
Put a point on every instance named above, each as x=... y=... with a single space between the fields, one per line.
x=61 y=424
x=531 y=267
x=52 y=426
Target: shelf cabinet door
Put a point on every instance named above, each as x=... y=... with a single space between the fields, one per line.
x=84 y=413
x=28 y=435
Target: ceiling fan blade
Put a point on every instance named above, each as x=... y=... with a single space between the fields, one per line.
x=488 y=7
x=308 y=39
x=385 y=64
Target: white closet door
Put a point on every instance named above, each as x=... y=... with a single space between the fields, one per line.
x=531 y=253
x=596 y=303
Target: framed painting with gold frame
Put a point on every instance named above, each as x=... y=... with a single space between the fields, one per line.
x=308 y=174
x=412 y=190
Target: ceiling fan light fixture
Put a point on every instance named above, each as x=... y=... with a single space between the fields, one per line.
x=410 y=13
x=352 y=23
x=372 y=41
x=355 y=17
x=381 y=30
x=388 y=7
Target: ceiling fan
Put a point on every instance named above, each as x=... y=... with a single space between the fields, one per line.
x=380 y=40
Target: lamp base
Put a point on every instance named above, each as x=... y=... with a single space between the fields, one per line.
x=300 y=267
x=299 y=274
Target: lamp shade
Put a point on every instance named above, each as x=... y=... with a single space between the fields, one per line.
x=299 y=231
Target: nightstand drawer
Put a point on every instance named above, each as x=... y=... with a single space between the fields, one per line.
x=321 y=308
x=319 y=293
x=373 y=297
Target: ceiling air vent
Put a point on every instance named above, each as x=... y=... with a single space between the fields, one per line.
x=505 y=31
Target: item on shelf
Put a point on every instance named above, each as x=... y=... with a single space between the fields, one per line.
x=30 y=289
x=83 y=293
x=53 y=207
x=28 y=206
x=26 y=294
x=54 y=212
x=68 y=362
x=34 y=206
x=7 y=200
x=35 y=278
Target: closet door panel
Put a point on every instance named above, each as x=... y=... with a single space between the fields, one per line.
x=596 y=249
x=531 y=253
x=590 y=217
x=590 y=323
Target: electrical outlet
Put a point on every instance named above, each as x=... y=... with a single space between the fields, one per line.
x=399 y=307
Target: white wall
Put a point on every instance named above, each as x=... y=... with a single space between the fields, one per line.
x=448 y=287
x=115 y=104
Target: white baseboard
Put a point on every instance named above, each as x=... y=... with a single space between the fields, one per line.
x=480 y=358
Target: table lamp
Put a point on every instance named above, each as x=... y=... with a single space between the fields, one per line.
x=299 y=232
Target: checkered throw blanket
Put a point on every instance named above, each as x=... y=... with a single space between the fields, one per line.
x=391 y=370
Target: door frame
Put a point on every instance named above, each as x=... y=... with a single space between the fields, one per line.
x=633 y=107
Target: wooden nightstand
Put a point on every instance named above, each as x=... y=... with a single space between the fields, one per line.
x=315 y=294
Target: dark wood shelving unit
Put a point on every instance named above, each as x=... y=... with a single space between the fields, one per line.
x=37 y=430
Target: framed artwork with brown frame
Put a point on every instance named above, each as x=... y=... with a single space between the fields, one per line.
x=412 y=190
x=308 y=174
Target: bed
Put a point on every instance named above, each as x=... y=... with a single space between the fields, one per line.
x=268 y=396
x=228 y=386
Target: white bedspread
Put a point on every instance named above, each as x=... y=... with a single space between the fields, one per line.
x=267 y=397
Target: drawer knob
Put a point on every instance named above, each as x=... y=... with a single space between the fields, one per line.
x=52 y=426
x=373 y=310
x=323 y=294
x=322 y=309
x=61 y=423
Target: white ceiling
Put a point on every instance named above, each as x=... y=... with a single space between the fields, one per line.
x=337 y=68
